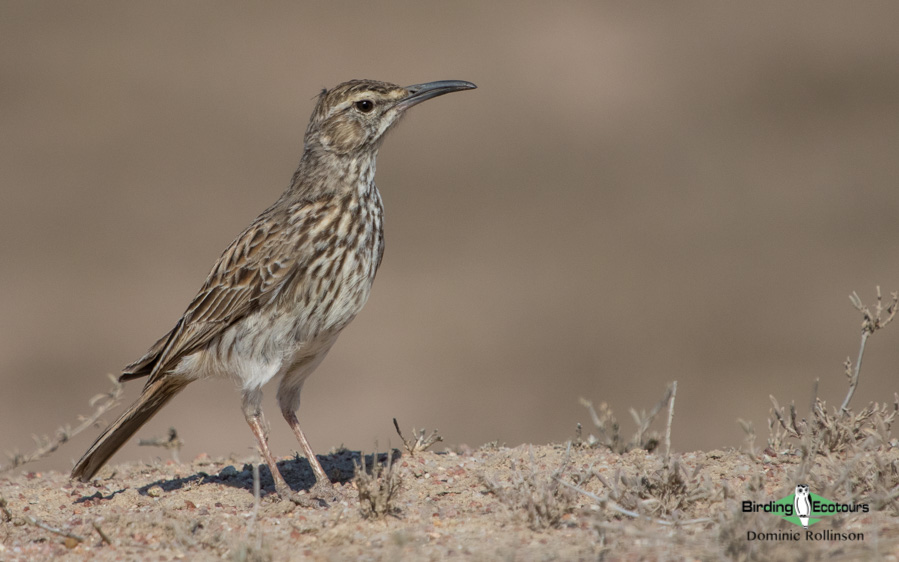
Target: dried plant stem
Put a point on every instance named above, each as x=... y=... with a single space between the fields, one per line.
x=610 y=430
x=542 y=500
x=615 y=507
x=44 y=526
x=853 y=380
x=7 y=516
x=670 y=420
x=103 y=535
x=38 y=523
x=171 y=442
x=378 y=490
x=871 y=322
x=101 y=403
x=257 y=500
x=644 y=420
x=420 y=441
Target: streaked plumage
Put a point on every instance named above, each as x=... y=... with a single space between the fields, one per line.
x=280 y=294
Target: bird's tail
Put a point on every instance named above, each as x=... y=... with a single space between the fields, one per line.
x=154 y=396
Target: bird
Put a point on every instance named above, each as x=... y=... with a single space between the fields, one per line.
x=278 y=297
x=801 y=504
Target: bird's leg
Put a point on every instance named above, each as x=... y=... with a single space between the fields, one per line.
x=280 y=484
x=289 y=399
x=253 y=414
x=323 y=489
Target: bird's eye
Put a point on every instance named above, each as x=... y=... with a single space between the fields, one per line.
x=365 y=105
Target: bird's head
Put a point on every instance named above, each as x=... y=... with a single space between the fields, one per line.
x=355 y=115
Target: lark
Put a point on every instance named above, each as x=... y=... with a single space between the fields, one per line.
x=281 y=293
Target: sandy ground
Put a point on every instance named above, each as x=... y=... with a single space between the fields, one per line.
x=493 y=503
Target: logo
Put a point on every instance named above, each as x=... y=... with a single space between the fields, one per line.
x=802 y=505
x=804 y=509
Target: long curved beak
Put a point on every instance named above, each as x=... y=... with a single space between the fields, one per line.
x=421 y=92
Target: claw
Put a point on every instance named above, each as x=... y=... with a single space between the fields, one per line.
x=318 y=497
x=325 y=492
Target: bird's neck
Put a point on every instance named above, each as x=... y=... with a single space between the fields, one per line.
x=323 y=173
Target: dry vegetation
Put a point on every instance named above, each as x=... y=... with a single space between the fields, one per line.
x=600 y=496
x=377 y=484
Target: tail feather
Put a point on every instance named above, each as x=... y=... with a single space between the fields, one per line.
x=147 y=364
x=155 y=396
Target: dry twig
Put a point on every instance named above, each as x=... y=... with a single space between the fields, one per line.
x=673 y=394
x=542 y=500
x=609 y=428
x=101 y=404
x=38 y=523
x=378 y=490
x=871 y=322
x=171 y=442
x=605 y=501
x=421 y=441
x=835 y=431
x=103 y=535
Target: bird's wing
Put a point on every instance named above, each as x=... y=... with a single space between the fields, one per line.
x=144 y=366
x=250 y=274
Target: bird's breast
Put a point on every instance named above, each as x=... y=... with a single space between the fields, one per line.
x=336 y=282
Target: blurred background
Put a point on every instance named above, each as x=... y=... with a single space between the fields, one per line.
x=636 y=193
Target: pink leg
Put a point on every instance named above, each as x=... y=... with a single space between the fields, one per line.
x=323 y=488
x=280 y=484
x=253 y=415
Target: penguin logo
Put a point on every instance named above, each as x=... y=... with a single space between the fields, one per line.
x=802 y=505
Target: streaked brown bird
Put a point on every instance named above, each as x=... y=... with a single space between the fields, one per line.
x=278 y=297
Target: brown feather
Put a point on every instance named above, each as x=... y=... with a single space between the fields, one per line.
x=281 y=292
x=153 y=398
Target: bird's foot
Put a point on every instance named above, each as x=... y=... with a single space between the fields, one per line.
x=325 y=492
x=300 y=499
x=319 y=496
x=303 y=500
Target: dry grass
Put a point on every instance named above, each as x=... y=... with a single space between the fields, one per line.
x=46 y=445
x=378 y=484
x=543 y=499
x=633 y=497
x=421 y=440
x=609 y=430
